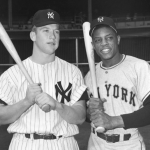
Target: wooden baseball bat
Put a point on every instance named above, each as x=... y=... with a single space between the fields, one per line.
x=13 y=52
x=91 y=61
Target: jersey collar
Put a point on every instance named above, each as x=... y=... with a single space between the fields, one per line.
x=107 y=68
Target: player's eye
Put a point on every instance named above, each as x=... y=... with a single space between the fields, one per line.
x=97 y=40
x=109 y=38
x=57 y=31
x=46 y=30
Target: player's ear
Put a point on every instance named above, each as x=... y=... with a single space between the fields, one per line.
x=118 y=37
x=32 y=36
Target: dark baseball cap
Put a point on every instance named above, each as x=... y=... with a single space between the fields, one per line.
x=45 y=17
x=102 y=21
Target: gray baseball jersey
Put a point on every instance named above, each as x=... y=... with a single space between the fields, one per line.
x=60 y=79
x=125 y=86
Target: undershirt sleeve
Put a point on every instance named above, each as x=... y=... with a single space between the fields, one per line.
x=84 y=96
x=2 y=102
x=138 y=118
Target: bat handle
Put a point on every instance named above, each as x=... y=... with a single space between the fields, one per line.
x=98 y=129
x=46 y=108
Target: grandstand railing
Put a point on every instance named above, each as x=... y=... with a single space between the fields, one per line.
x=72 y=49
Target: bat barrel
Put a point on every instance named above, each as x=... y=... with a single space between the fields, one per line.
x=91 y=60
x=13 y=52
x=90 y=56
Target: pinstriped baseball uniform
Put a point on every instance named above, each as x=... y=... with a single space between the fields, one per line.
x=125 y=86
x=61 y=80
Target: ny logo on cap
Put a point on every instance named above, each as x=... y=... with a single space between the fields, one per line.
x=100 y=19
x=50 y=15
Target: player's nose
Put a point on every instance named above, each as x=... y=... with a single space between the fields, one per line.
x=51 y=35
x=104 y=41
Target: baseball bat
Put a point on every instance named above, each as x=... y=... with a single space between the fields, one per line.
x=13 y=52
x=91 y=61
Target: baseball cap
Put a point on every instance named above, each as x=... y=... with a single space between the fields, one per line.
x=102 y=21
x=45 y=17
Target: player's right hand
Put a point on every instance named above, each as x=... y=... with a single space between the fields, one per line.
x=32 y=91
x=45 y=99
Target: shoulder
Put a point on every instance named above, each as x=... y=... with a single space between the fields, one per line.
x=133 y=59
x=135 y=62
x=10 y=76
x=136 y=66
x=13 y=73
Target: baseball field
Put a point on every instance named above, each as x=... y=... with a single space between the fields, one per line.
x=82 y=138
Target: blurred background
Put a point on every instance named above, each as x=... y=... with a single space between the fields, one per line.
x=18 y=14
x=132 y=18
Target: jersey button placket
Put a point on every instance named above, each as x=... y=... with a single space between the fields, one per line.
x=106 y=72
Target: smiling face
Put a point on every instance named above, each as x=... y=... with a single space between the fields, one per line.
x=105 y=42
x=46 y=39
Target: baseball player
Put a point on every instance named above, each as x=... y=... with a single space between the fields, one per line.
x=56 y=83
x=123 y=85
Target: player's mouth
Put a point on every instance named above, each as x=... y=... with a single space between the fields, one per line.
x=105 y=51
x=51 y=43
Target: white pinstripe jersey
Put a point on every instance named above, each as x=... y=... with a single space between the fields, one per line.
x=60 y=79
x=125 y=86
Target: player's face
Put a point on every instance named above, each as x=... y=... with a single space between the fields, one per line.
x=105 y=42
x=47 y=38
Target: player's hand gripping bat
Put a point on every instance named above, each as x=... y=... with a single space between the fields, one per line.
x=91 y=60
x=13 y=52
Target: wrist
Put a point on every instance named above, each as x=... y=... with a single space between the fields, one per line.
x=27 y=102
x=117 y=122
x=58 y=106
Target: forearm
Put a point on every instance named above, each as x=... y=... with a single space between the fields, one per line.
x=75 y=114
x=11 y=113
x=138 y=118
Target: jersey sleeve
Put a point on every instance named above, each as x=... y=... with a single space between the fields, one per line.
x=7 y=89
x=78 y=87
x=143 y=80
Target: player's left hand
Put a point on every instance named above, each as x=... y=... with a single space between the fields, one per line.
x=99 y=118
x=44 y=98
x=96 y=104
